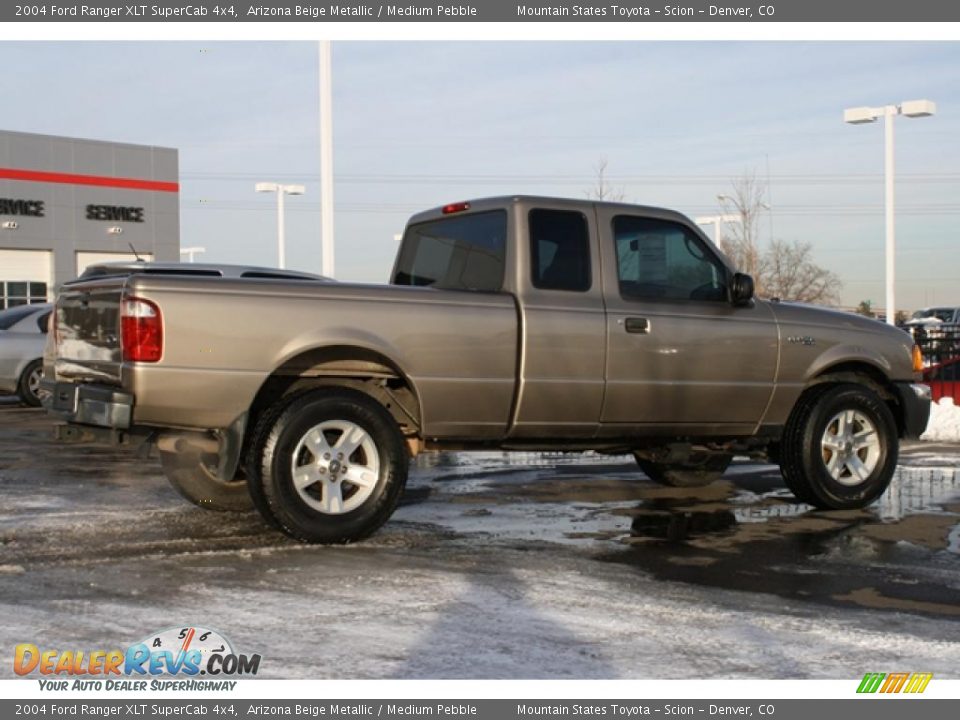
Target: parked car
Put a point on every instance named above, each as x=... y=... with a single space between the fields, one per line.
x=23 y=334
x=520 y=323
x=937 y=331
x=935 y=316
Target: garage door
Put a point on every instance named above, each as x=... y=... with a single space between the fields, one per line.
x=86 y=259
x=25 y=276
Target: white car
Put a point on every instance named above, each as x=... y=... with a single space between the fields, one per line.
x=23 y=334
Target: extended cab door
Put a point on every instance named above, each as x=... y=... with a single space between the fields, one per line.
x=679 y=355
x=562 y=321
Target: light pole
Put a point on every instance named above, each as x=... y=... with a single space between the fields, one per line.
x=280 y=190
x=326 y=158
x=859 y=116
x=191 y=251
x=717 y=221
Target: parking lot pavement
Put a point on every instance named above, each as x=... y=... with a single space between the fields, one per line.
x=495 y=566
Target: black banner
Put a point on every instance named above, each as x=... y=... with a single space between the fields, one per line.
x=878 y=709
x=489 y=11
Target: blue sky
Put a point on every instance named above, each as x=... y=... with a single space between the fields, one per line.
x=420 y=124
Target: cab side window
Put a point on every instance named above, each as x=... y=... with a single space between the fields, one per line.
x=559 y=250
x=664 y=260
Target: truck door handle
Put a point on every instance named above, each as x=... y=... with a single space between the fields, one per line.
x=637 y=325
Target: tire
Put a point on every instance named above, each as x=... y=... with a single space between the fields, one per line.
x=700 y=470
x=840 y=446
x=298 y=442
x=30 y=383
x=194 y=479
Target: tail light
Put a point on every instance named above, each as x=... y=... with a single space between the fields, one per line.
x=141 y=330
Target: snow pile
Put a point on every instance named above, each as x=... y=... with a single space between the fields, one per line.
x=944 y=425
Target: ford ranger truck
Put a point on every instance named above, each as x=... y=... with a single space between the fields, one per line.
x=516 y=323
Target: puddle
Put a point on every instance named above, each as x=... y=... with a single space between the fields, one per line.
x=744 y=533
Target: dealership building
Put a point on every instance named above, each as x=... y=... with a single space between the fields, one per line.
x=66 y=203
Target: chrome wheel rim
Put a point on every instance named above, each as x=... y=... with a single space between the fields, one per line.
x=33 y=381
x=850 y=447
x=335 y=467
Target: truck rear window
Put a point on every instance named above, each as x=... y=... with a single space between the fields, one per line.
x=458 y=253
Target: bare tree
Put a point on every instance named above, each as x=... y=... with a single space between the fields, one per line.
x=742 y=239
x=787 y=271
x=602 y=190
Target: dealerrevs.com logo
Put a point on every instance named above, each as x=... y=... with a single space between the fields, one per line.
x=898 y=682
x=177 y=652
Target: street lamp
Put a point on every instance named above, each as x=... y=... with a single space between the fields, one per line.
x=859 y=116
x=280 y=190
x=191 y=251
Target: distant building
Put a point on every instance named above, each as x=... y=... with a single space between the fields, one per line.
x=66 y=203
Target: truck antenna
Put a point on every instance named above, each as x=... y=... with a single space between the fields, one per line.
x=135 y=253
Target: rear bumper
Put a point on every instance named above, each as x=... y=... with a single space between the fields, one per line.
x=88 y=404
x=915 y=402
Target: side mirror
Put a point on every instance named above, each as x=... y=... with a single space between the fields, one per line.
x=741 y=289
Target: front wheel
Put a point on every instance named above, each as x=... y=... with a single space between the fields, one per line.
x=328 y=467
x=839 y=448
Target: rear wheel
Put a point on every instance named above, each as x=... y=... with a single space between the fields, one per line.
x=190 y=473
x=698 y=470
x=29 y=385
x=328 y=466
x=839 y=449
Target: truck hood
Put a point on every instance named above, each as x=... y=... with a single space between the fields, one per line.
x=835 y=337
x=817 y=316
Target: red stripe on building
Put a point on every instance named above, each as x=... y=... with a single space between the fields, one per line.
x=92 y=180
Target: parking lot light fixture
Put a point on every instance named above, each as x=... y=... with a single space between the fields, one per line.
x=280 y=190
x=190 y=252
x=717 y=221
x=861 y=116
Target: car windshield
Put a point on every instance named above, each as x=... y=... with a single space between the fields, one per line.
x=9 y=318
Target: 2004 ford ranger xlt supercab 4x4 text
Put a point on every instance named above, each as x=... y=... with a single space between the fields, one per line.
x=520 y=323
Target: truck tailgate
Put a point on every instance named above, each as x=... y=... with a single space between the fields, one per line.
x=88 y=332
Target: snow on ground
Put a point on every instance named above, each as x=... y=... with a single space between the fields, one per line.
x=944 y=425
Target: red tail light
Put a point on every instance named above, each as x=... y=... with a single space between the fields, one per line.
x=141 y=330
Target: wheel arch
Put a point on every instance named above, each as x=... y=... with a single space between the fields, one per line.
x=865 y=373
x=344 y=365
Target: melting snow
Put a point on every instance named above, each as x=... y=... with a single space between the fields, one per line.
x=944 y=425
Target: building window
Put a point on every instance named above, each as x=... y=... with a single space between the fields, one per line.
x=16 y=293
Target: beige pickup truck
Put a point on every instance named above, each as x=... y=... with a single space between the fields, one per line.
x=519 y=323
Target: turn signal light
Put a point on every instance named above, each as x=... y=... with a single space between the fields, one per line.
x=917 y=359
x=141 y=330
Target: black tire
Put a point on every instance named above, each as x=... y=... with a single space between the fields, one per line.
x=313 y=513
x=700 y=470
x=191 y=474
x=29 y=383
x=805 y=456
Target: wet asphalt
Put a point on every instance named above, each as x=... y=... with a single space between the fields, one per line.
x=93 y=543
